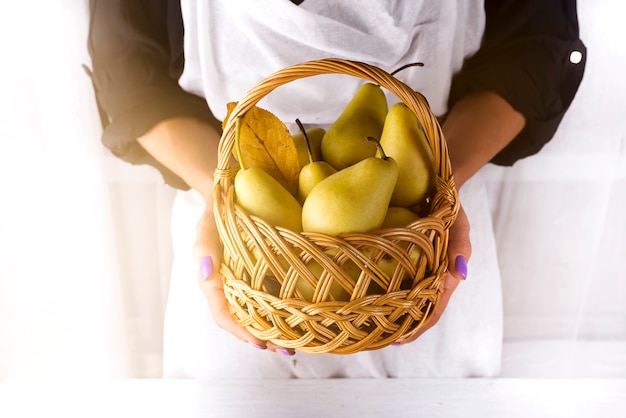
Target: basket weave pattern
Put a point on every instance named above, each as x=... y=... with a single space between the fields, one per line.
x=263 y=263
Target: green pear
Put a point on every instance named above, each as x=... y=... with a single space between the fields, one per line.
x=388 y=264
x=256 y=256
x=310 y=175
x=313 y=171
x=404 y=141
x=261 y=195
x=354 y=199
x=314 y=136
x=364 y=116
x=336 y=290
x=398 y=217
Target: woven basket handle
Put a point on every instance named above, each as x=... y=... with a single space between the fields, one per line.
x=413 y=100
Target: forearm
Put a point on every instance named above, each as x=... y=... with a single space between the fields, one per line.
x=188 y=147
x=476 y=129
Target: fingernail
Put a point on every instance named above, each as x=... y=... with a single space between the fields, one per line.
x=460 y=265
x=260 y=347
x=396 y=344
x=285 y=352
x=206 y=267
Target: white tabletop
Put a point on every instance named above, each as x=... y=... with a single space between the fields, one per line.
x=344 y=398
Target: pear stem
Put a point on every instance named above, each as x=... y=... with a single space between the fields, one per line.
x=306 y=140
x=380 y=147
x=238 y=142
x=412 y=64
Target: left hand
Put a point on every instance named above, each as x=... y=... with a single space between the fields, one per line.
x=207 y=245
x=459 y=252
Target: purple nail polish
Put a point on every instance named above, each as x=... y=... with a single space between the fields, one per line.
x=206 y=267
x=285 y=352
x=396 y=344
x=260 y=347
x=460 y=265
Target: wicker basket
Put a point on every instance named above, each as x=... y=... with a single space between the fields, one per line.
x=262 y=263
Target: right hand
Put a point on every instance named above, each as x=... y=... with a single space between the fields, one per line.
x=208 y=245
x=459 y=252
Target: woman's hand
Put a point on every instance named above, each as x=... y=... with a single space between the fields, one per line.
x=477 y=127
x=188 y=147
x=208 y=253
x=459 y=252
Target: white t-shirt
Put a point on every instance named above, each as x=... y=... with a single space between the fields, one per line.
x=230 y=46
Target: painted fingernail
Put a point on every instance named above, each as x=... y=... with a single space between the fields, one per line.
x=206 y=267
x=260 y=347
x=285 y=352
x=396 y=344
x=460 y=264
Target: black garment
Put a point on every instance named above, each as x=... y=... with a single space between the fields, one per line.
x=137 y=58
x=525 y=58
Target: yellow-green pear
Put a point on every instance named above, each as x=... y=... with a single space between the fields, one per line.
x=364 y=116
x=354 y=199
x=314 y=136
x=261 y=195
x=398 y=217
x=256 y=256
x=404 y=141
x=336 y=290
x=313 y=171
x=310 y=175
x=388 y=264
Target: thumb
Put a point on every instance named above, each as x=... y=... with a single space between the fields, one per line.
x=207 y=248
x=208 y=254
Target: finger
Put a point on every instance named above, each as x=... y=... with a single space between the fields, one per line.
x=449 y=286
x=213 y=290
x=459 y=251
x=207 y=250
x=281 y=350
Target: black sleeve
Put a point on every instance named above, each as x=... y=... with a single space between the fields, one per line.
x=525 y=58
x=136 y=50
